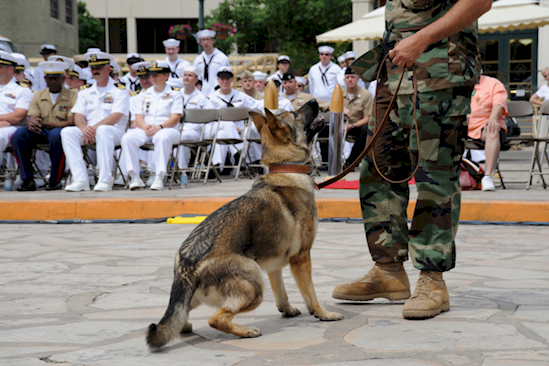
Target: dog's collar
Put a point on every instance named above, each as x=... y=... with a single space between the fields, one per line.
x=291 y=167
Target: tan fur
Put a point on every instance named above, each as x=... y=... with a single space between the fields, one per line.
x=271 y=226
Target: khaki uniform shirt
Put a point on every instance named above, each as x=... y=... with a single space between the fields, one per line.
x=42 y=106
x=301 y=98
x=257 y=95
x=360 y=105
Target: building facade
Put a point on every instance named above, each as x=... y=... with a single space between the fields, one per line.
x=31 y=23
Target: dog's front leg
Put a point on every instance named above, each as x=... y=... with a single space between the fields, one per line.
x=300 y=265
x=282 y=303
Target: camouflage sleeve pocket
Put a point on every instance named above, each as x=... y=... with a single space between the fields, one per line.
x=418 y=4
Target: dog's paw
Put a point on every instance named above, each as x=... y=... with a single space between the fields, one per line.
x=290 y=312
x=187 y=328
x=329 y=316
x=253 y=332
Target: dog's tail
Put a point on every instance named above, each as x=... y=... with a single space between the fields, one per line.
x=176 y=316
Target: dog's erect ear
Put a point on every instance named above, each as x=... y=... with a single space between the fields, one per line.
x=274 y=123
x=259 y=120
x=309 y=111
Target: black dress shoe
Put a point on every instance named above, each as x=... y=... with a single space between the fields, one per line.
x=54 y=187
x=27 y=186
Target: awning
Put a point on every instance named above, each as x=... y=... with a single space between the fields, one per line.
x=505 y=15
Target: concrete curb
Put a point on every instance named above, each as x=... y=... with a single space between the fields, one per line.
x=151 y=208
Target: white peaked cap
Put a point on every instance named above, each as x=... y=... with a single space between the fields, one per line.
x=21 y=60
x=53 y=67
x=64 y=59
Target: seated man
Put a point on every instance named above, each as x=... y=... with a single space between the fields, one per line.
x=14 y=104
x=487 y=122
x=358 y=104
x=248 y=87
x=49 y=112
x=100 y=117
x=297 y=97
x=259 y=81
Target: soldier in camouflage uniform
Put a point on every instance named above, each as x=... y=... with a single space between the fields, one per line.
x=439 y=37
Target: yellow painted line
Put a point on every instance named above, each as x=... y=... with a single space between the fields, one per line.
x=152 y=208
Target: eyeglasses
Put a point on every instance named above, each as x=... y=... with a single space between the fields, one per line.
x=325 y=54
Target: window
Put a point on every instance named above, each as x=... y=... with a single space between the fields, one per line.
x=68 y=11
x=54 y=9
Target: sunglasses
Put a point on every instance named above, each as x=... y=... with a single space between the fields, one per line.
x=325 y=54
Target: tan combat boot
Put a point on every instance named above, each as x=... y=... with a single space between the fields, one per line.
x=388 y=281
x=430 y=297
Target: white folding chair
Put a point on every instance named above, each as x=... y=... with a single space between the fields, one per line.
x=541 y=139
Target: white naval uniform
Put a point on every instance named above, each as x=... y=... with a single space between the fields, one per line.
x=323 y=87
x=179 y=62
x=12 y=96
x=40 y=82
x=228 y=129
x=278 y=76
x=191 y=131
x=341 y=80
x=156 y=108
x=130 y=82
x=214 y=62
x=95 y=107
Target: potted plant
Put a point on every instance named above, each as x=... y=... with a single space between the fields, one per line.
x=223 y=30
x=180 y=31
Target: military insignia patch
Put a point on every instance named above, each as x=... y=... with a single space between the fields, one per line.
x=153 y=64
x=93 y=58
x=10 y=95
x=108 y=99
x=142 y=69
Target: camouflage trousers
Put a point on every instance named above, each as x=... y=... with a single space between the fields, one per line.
x=441 y=118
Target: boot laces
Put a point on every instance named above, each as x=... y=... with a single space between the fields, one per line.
x=367 y=275
x=423 y=287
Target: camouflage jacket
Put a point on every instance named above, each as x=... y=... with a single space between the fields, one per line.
x=450 y=62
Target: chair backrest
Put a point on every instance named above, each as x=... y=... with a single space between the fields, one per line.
x=543 y=124
x=544 y=109
x=520 y=108
x=200 y=115
x=233 y=114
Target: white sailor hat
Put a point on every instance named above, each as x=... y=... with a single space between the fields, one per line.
x=283 y=58
x=132 y=58
x=142 y=67
x=98 y=58
x=325 y=49
x=93 y=49
x=115 y=66
x=7 y=59
x=301 y=80
x=85 y=75
x=171 y=42
x=47 y=48
x=194 y=70
x=64 y=59
x=349 y=54
x=225 y=72
x=205 y=33
x=159 y=66
x=341 y=58
x=22 y=63
x=258 y=75
x=53 y=67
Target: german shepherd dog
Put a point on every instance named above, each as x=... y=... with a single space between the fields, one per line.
x=270 y=226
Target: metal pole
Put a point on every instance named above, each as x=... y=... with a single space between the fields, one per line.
x=200 y=20
x=106 y=26
x=335 y=144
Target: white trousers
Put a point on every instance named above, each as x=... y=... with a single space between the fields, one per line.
x=5 y=137
x=163 y=142
x=184 y=153
x=106 y=137
x=226 y=130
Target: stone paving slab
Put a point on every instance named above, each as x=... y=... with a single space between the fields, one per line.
x=84 y=295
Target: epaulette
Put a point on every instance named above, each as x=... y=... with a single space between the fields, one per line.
x=85 y=86
x=135 y=92
x=23 y=84
x=120 y=86
x=176 y=89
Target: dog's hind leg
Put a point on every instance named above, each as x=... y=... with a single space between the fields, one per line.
x=282 y=303
x=241 y=292
x=300 y=264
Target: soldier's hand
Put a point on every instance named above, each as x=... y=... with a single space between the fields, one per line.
x=89 y=132
x=4 y=124
x=407 y=51
x=35 y=125
x=347 y=112
x=150 y=130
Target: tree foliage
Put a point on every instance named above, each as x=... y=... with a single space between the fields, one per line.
x=290 y=25
x=90 y=29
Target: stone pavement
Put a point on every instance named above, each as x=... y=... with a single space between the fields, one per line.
x=84 y=295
